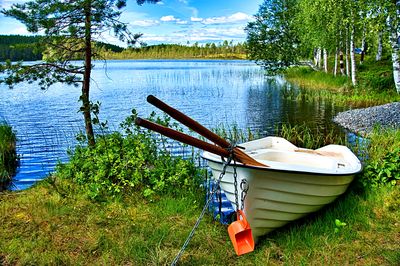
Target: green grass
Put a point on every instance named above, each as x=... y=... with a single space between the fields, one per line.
x=56 y=222
x=375 y=85
x=8 y=154
x=40 y=226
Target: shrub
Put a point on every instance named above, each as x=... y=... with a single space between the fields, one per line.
x=8 y=154
x=383 y=171
x=134 y=162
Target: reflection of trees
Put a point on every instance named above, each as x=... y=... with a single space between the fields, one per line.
x=279 y=102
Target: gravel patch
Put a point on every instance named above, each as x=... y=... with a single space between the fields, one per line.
x=362 y=121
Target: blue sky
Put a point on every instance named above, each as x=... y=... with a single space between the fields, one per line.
x=173 y=21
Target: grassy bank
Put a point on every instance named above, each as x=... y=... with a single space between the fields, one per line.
x=42 y=226
x=375 y=85
x=8 y=154
x=59 y=222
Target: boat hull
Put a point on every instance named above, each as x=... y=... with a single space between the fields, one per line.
x=276 y=198
x=292 y=185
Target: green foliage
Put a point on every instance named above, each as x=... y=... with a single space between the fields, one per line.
x=383 y=171
x=8 y=154
x=272 y=40
x=383 y=161
x=339 y=225
x=119 y=164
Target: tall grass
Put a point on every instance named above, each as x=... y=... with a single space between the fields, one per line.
x=311 y=138
x=375 y=86
x=8 y=154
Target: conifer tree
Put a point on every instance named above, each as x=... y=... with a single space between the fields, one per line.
x=70 y=28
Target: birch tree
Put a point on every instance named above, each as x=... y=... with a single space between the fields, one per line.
x=272 y=40
x=394 y=35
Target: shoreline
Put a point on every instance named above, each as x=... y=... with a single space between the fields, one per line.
x=362 y=121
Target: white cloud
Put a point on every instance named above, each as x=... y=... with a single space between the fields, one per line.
x=238 y=17
x=171 y=18
x=168 y=18
x=196 y=19
x=145 y=23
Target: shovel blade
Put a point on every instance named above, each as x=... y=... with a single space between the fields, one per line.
x=242 y=242
x=241 y=236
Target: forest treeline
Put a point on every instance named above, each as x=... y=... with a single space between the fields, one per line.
x=223 y=50
x=29 y=48
x=18 y=47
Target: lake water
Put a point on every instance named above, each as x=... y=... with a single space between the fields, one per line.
x=212 y=92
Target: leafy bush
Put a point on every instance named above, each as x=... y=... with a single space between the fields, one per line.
x=8 y=154
x=383 y=171
x=130 y=163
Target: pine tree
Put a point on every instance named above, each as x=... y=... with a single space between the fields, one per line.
x=70 y=27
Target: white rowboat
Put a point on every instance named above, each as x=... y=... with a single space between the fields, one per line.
x=295 y=183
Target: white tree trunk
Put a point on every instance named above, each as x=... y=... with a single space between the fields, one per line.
x=341 y=63
x=379 y=51
x=335 y=68
x=347 y=57
x=395 y=43
x=325 y=61
x=352 y=58
x=319 y=57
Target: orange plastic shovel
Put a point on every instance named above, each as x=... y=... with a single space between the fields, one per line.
x=240 y=235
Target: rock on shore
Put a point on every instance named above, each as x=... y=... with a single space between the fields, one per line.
x=362 y=121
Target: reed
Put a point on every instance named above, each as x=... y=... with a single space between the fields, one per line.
x=8 y=154
x=302 y=135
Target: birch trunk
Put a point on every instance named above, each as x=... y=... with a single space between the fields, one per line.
x=341 y=63
x=395 y=43
x=379 y=51
x=336 y=57
x=325 y=61
x=347 y=57
x=315 y=57
x=319 y=57
x=352 y=58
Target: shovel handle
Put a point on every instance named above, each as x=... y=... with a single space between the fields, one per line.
x=239 y=214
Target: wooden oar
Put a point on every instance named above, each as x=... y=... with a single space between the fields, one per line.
x=203 y=131
x=179 y=136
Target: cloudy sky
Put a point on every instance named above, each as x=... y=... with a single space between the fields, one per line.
x=173 y=21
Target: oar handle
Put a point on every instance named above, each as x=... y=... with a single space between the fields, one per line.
x=179 y=136
x=187 y=121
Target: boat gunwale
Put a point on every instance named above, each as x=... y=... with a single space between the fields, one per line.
x=263 y=168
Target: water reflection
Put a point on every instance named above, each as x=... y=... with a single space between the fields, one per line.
x=212 y=92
